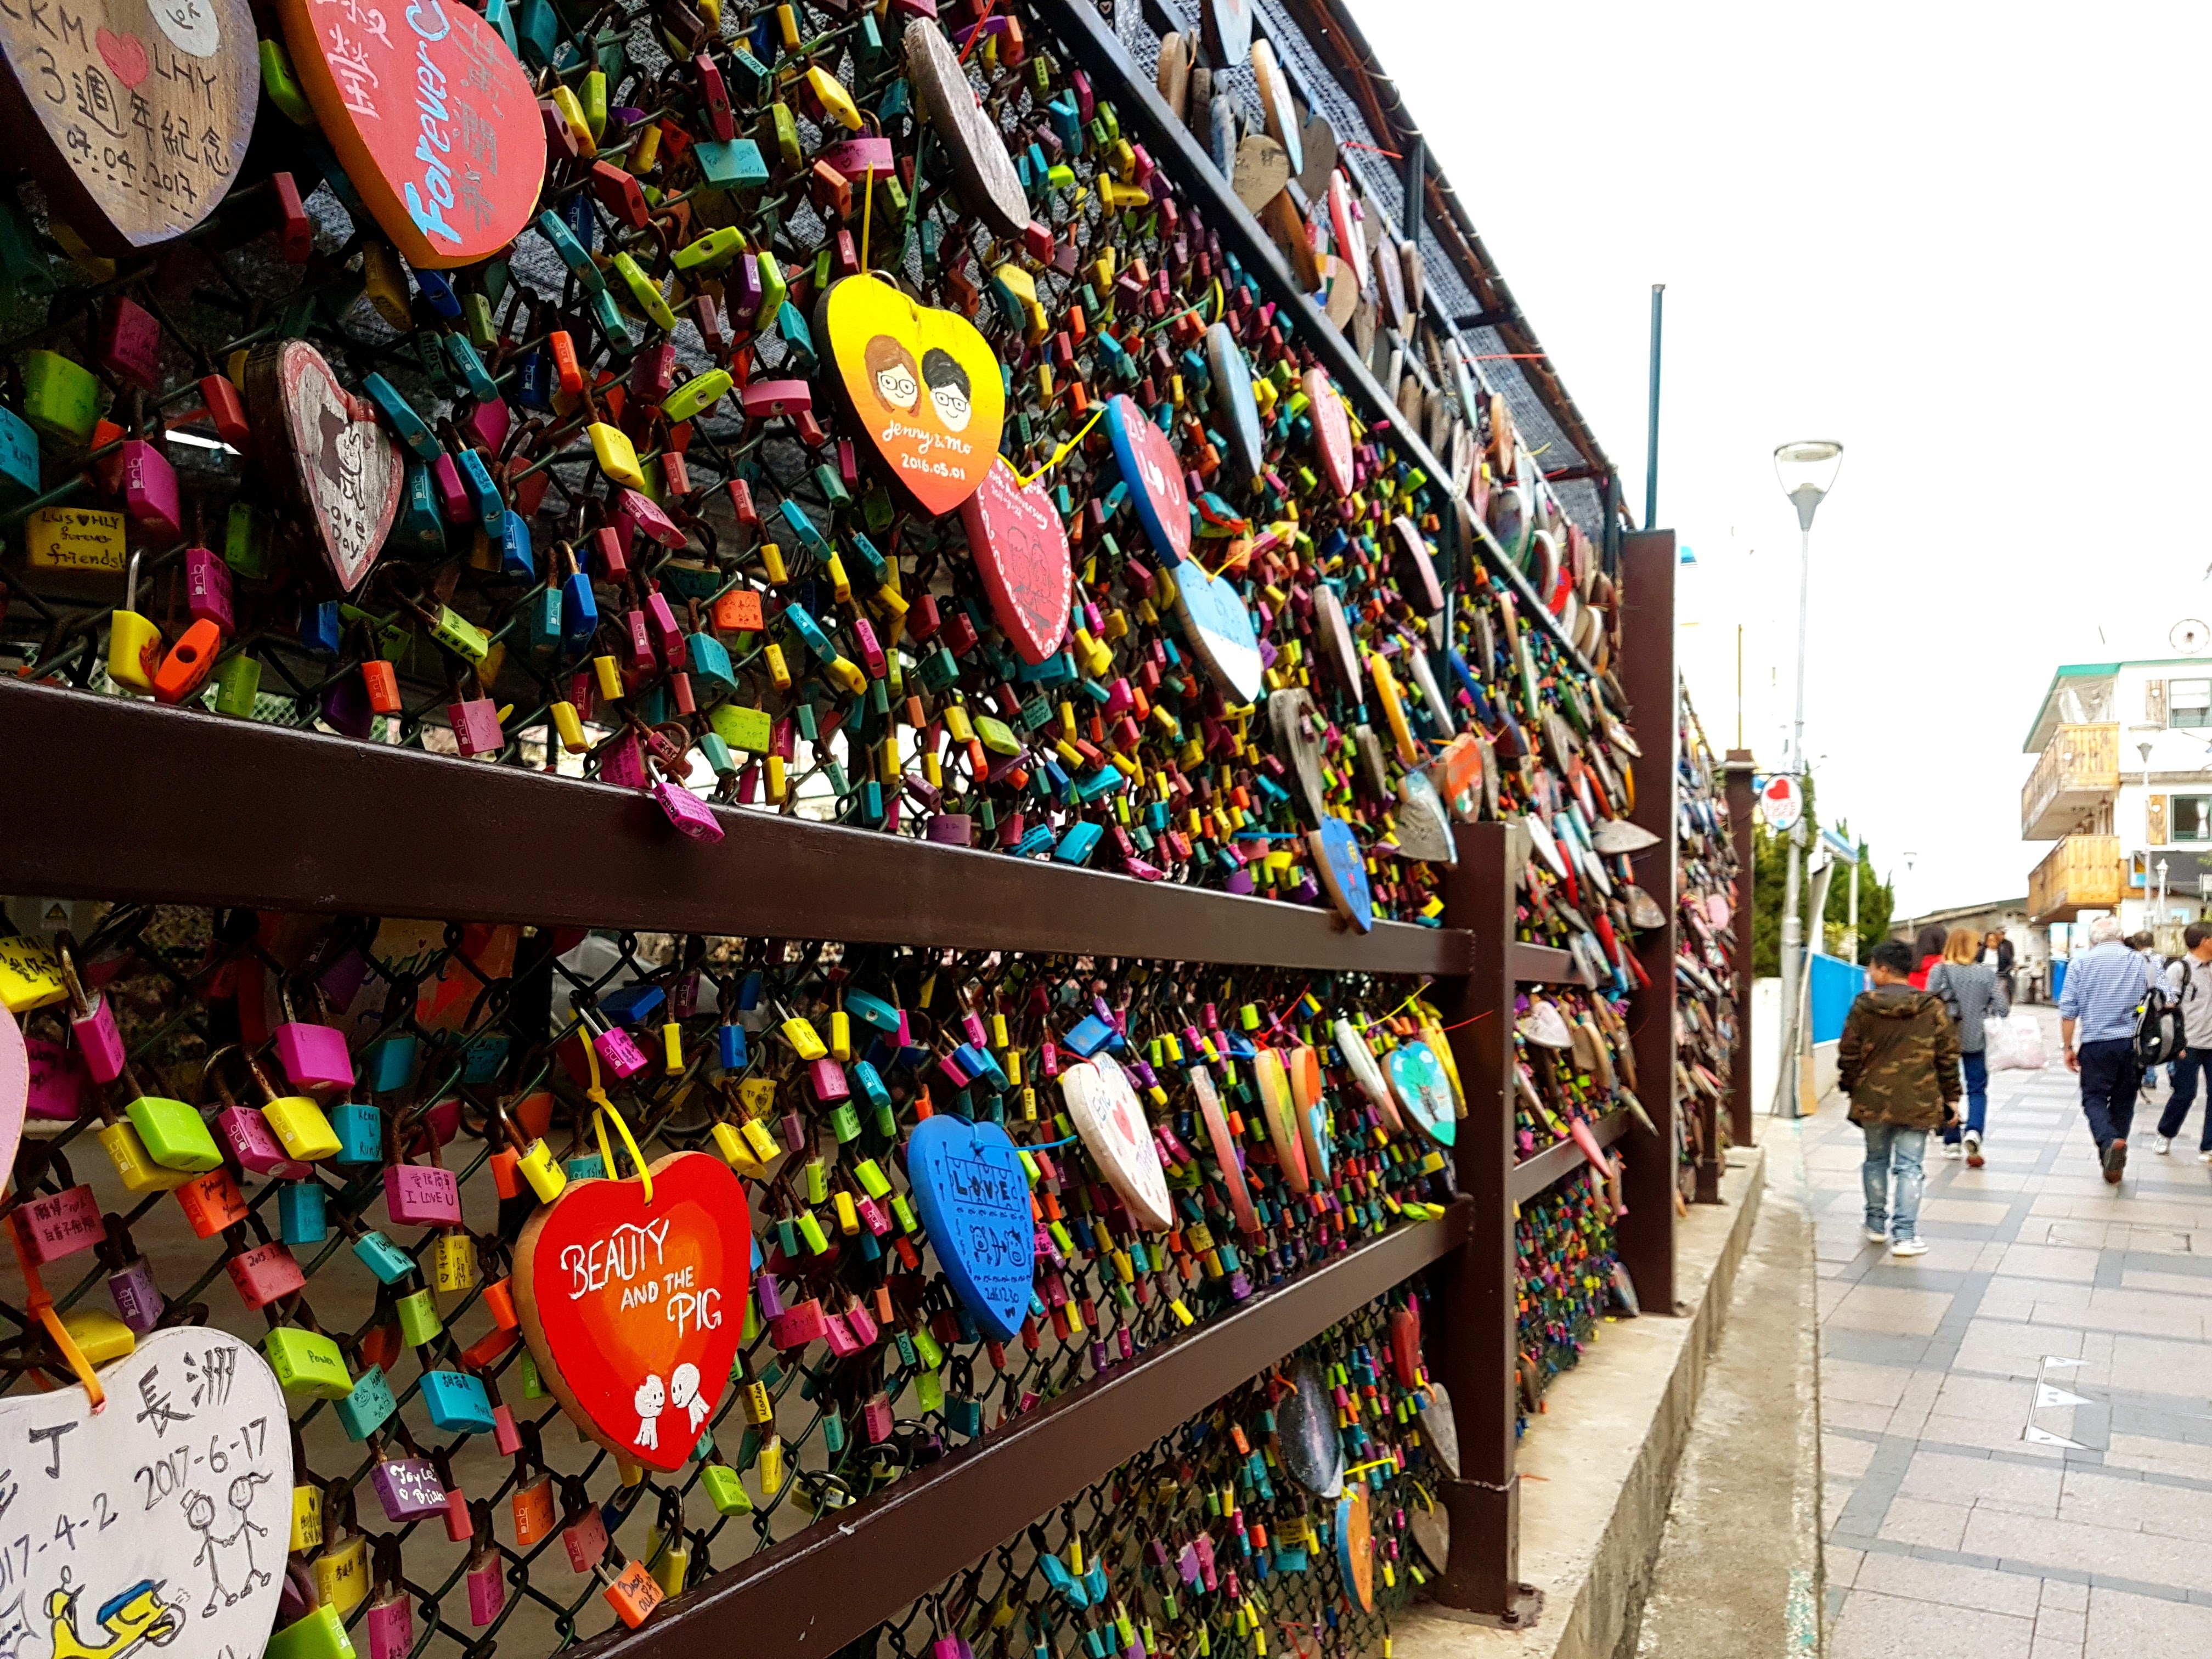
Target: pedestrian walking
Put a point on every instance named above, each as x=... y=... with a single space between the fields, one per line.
x=2105 y=986
x=1971 y=992
x=1927 y=951
x=2006 y=958
x=1899 y=1061
x=2189 y=982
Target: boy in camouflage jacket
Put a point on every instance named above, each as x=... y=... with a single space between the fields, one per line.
x=1899 y=1061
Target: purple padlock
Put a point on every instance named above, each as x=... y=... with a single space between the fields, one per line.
x=313 y=1056
x=768 y=1294
x=691 y=816
x=207 y=589
x=408 y=1488
x=422 y=1195
x=137 y=1298
x=150 y=500
x=255 y=1145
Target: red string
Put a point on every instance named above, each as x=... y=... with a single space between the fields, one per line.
x=1456 y=1024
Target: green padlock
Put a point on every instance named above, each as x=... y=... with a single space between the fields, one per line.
x=366 y=1407
x=748 y=729
x=460 y=635
x=322 y=1633
x=929 y=1392
x=724 y=1490
x=307 y=1362
x=246 y=541
x=175 y=1135
x=418 y=1318
x=237 y=684
x=531 y=1387
x=60 y=397
x=285 y=92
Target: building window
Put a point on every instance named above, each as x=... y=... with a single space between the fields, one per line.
x=2189 y=702
x=2192 y=818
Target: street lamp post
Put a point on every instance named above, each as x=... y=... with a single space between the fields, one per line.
x=1807 y=470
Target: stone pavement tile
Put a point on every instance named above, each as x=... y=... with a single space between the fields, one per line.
x=1844 y=1457
x=1949 y=1585
x=2126 y=1626
x=2025 y=1544
x=1970 y=1211
x=1982 y=1397
x=1840 y=1566
x=2168 y=1512
x=1986 y=1432
x=2064 y=1596
x=1917 y=1520
x=1954 y=1479
x=1855 y=1414
x=2013 y=1347
x=1905 y=1313
x=2057 y=1628
x=2052 y=1647
x=1874 y=1626
x=2143 y=1279
x=1834 y=1494
x=1872 y=1385
x=2049 y=1261
x=2135 y=1451
x=2146 y=1313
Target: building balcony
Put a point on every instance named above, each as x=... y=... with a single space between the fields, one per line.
x=2078 y=771
x=2083 y=872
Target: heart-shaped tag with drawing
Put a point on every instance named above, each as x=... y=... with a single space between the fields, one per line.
x=1221 y=631
x=136 y=134
x=163 y=1515
x=923 y=382
x=1332 y=430
x=1111 y=1119
x=1424 y=827
x=1153 y=472
x=974 y=1203
x=633 y=1310
x=1020 y=549
x=325 y=454
x=1343 y=866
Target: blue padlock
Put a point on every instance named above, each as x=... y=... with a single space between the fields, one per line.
x=321 y=630
x=457 y=1403
x=629 y=1004
x=364 y=1411
x=389 y=1062
x=300 y=1219
x=359 y=1128
x=383 y=1258
x=438 y=289
x=733 y=1050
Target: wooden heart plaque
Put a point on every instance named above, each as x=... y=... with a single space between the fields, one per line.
x=325 y=454
x=1020 y=549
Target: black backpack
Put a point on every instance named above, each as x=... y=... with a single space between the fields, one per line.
x=2158 y=1030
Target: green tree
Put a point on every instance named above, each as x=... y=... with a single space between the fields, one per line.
x=1771 y=866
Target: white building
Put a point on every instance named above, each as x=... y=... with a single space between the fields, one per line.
x=2123 y=784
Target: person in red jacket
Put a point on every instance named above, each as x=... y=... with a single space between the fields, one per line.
x=1928 y=950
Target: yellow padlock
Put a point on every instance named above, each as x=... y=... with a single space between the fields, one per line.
x=547 y=1178
x=453 y=1262
x=296 y=1120
x=134 y=643
x=136 y=1165
x=100 y=1336
x=30 y=976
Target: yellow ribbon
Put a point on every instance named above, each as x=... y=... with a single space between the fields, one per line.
x=1060 y=453
x=602 y=1110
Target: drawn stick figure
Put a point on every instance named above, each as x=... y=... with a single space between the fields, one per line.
x=652 y=1396
x=199 y=1516
x=242 y=1503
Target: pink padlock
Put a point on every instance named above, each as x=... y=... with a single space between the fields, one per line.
x=391 y=1617
x=872 y=1215
x=255 y=1145
x=60 y=1224
x=91 y=1021
x=862 y=1324
x=150 y=500
x=876 y=1418
x=691 y=816
x=839 y=1335
x=487 y=1587
x=621 y=764
x=488 y=424
x=505 y=1434
x=58 y=1079
x=476 y=727
x=827 y=1074
x=131 y=343
x=207 y=589
x=638 y=510
x=422 y=1195
x=452 y=494
x=314 y=1056
x=617 y=1052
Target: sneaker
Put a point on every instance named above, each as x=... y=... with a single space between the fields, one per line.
x=1909 y=1247
x=2116 y=1161
x=1876 y=1235
x=1951 y=1149
x=1973 y=1151
x=2206 y=1154
x=2165 y=1145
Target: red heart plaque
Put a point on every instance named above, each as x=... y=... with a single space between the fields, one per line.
x=633 y=1311
x=1020 y=547
x=1332 y=430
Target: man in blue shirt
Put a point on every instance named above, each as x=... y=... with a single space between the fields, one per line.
x=2104 y=987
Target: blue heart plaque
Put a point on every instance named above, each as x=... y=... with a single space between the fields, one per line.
x=974 y=1198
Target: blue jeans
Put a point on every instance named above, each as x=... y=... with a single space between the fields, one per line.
x=1974 y=1068
x=1892 y=1145
x=2186 y=1071
x=2110 y=1078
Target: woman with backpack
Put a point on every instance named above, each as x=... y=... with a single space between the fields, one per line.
x=1971 y=992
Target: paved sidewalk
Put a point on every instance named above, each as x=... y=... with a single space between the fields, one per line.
x=2016 y=1428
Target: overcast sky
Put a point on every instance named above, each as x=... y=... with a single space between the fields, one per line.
x=1966 y=240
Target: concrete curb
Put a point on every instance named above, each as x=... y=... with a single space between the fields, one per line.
x=1598 y=1468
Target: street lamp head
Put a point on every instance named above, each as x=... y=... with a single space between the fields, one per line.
x=1807 y=471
